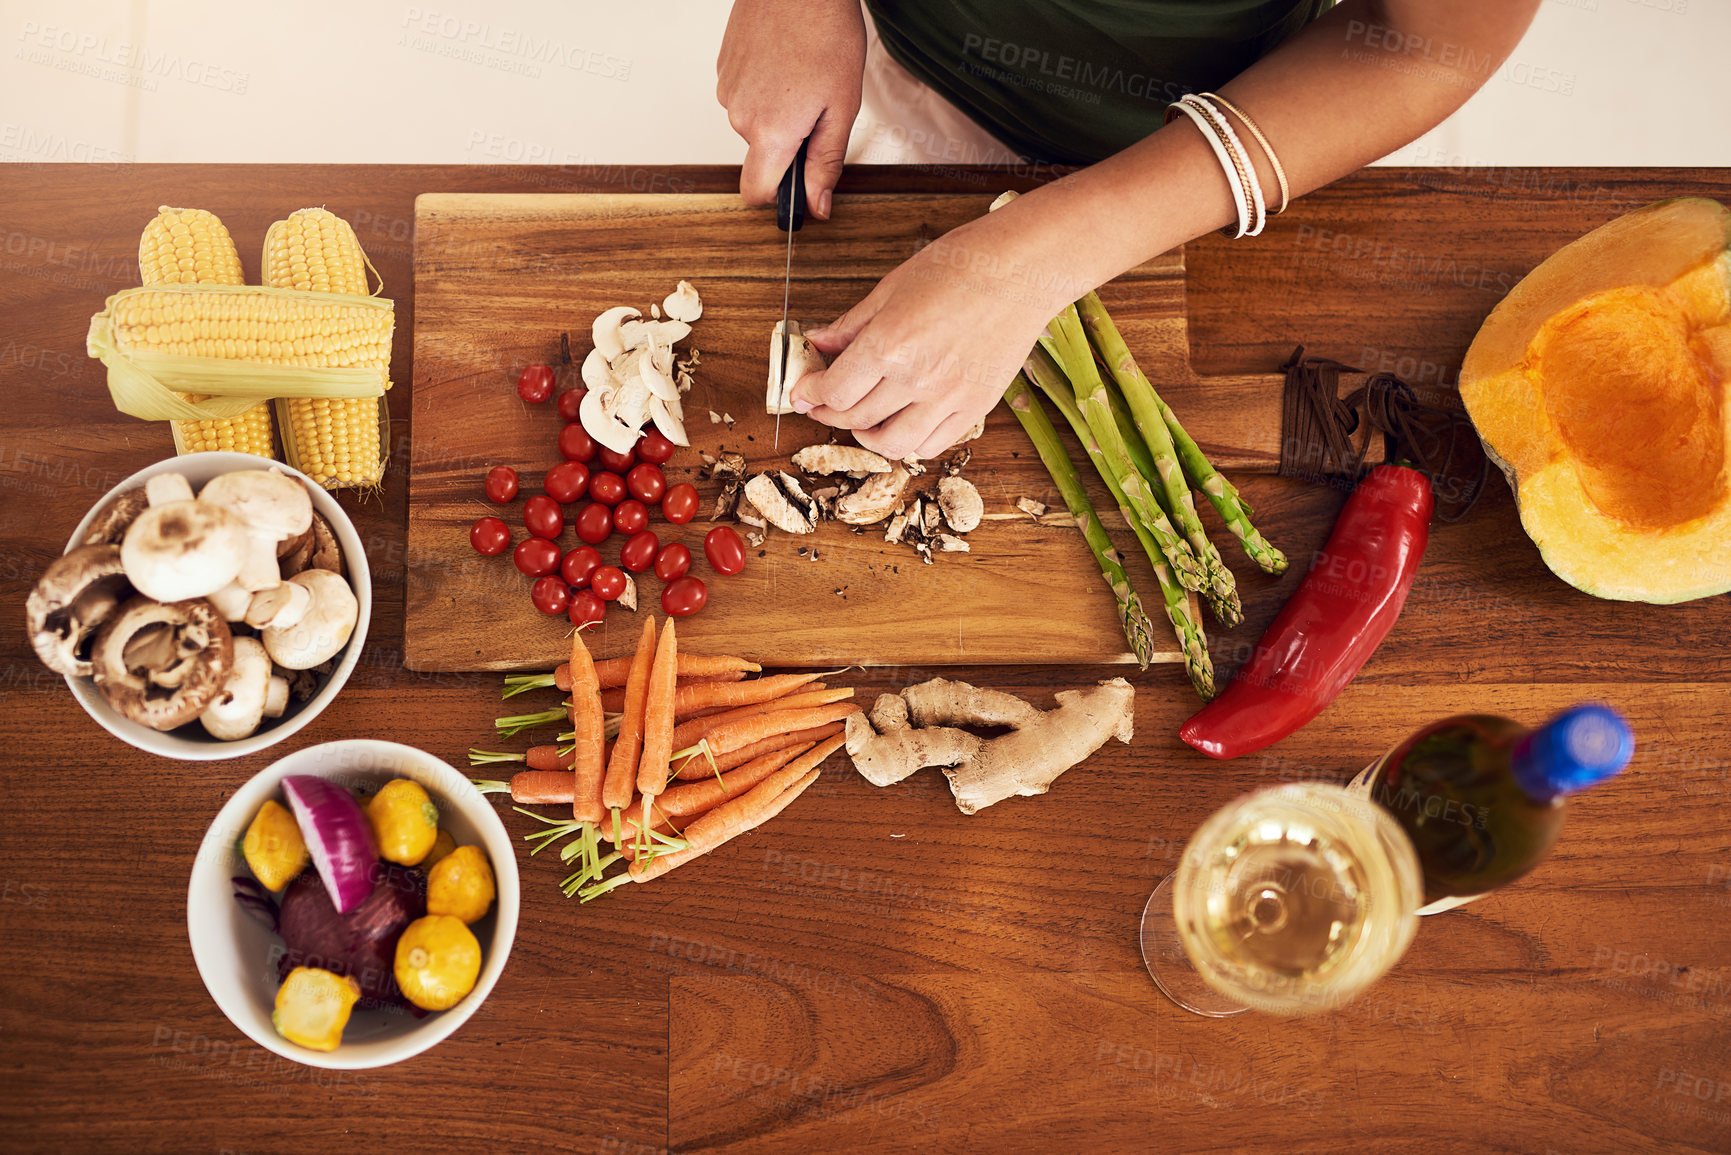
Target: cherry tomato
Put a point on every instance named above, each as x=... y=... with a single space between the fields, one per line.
x=535 y=383
x=724 y=549
x=570 y=402
x=567 y=482
x=619 y=463
x=638 y=554
x=631 y=516
x=543 y=516
x=594 y=522
x=608 y=582
x=536 y=556
x=679 y=503
x=607 y=488
x=550 y=594
x=579 y=564
x=683 y=597
x=646 y=483
x=575 y=444
x=672 y=562
x=653 y=447
x=490 y=537
x=501 y=484
x=586 y=608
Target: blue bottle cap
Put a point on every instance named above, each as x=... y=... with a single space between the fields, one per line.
x=1576 y=749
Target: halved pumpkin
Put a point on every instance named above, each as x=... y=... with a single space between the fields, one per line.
x=1598 y=386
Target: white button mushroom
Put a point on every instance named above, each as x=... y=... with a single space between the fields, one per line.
x=276 y=696
x=184 y=549
x=323 y=630
x=239 y=706
x=273 y=506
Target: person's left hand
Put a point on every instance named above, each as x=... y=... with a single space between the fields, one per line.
x=932 y=347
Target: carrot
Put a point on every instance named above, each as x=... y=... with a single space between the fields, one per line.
x=622 y=767
x=658 y=716
x=589 y=724
x=691 y=730
x=546 y=758
x=699 y=767
x=541 y=786
x=693 y=798
x=703 y=695
x=711 y=711
x=617 y=671
x=726 y=739
x=631 y=818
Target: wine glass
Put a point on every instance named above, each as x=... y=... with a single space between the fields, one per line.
x=1290 y=900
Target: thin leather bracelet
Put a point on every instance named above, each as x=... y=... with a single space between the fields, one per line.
x=1267 y=149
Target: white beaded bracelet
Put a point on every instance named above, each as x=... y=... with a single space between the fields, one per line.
x=1228 y=164
x=1247 y=170
x=1268 y=149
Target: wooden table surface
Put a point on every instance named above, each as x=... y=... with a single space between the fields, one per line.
x=873 y=971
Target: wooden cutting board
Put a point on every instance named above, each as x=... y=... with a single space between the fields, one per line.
x=498 y=278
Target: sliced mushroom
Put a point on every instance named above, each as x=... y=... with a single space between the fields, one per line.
x=184 y=549
x=273 y=506
x=683 y=303
x=75 y=595
x=669 y=418
x=276 y=696
x=848 y=459
x=875 y=499
x=782 y=502
x=728 y=465
x=238 y=707
x=110 y=526
x=950 y=543
x=898 y=526
x=162 y=664
x=726 y=502
x=628 y=596
x=641 y=334
x=1034 y=509
x=961 y=503
x=605 y=330
x=747 y=513
x=596 y=374
x=802 y=358
x=323 y=630
x=655 y=370
x=605 y=427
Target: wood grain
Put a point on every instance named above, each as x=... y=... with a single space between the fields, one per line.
x=982 y=971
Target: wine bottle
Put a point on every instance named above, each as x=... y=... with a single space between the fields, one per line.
x=1482 y=797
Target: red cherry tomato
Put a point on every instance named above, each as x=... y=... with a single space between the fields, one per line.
x=501 y=484
x=631 y=516
x=575 y=444
x=683 y=597
x=672 y=562
x=608 y=582
x=679 y=503
x=536 y=556
x=619 y=463
x=638 y=554
x=570 y=402
x=579 y=564
x=594 y=522
x=586 y=608
x=535 y=383
x=550 y=594
x=543 y=516
x=655 y=448
x=567 y=482
x=724 y=549
x=490 y=537
x=607 y=488
x=646 y=483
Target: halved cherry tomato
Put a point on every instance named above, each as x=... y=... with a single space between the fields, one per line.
x=575 y=444
x=535 y=383
x=490 y=537
x=684 y=597
x=536 y=556
x=654 y=448
x=550 y=594
x=586 y=608
x=724 y=549
x=567 y=482
x=619 y=463
x=608 y=582
x=578 y=565
x=630 y=516
x=543 y=516
x=679 y=503
x=607 y=488
x=672 y=562
x=594 y=522
x=638 y=554
x=646 y=483
x=501 y=484
x=570 y=402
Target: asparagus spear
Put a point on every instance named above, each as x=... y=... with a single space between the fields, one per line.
x=1191 y=640
x=1138 y=630
x=1221 y=493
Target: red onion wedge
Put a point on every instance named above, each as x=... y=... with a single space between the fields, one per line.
x=338 y=836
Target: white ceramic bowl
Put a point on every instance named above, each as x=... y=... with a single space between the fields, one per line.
x=190 y=742
x=234 y=951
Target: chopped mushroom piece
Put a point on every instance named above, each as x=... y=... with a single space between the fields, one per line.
x=160 y=664
x=605 y=331
x=950 y=543
x=802 y=358
x=848 y=459
x=961 y=503
x=876 y=498
x=683 y=303
x=628 y=598
x=1034 y=509
x=74 y=596
x=782 y=502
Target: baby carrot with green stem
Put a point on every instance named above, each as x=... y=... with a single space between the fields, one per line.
x=621 y=780
x=688 y=700
x=612 y=673
x=589 y=727
x=652 y=772
x=696 y=765
x=690 y=799
x=688 y=732
x=734 y=735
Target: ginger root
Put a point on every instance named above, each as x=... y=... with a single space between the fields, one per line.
x=922 y=726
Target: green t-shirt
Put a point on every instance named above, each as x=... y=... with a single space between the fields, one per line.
x=1073 y=81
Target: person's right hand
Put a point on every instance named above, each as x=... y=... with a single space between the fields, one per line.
x=788 y=70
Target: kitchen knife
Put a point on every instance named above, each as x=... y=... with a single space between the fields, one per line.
x=789 y=216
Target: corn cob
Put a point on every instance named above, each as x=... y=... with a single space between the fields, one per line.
x=335 y=441
x=191 y=247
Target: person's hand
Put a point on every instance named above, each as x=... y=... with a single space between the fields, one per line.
x=931 y=349
x=790 y=69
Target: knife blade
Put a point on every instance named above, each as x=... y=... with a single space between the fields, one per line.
x=789 y=216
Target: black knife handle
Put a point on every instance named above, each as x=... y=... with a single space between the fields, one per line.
x=790 y=195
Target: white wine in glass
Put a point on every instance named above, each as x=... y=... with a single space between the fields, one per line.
x=1290 y=900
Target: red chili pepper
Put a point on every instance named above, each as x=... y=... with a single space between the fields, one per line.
x=1322 y=636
